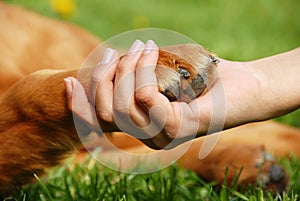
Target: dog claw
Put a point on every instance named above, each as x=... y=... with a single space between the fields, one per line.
x=214 y=59
x=184 y=72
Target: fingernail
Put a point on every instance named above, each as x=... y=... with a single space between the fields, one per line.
x=107 y=56
x=150 y=45
x=69 y=88
x=136 y=46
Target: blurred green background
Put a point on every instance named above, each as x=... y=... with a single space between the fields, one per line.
x=233 y=29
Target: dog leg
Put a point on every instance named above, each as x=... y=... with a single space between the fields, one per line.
x=35 y=117
x=36 y=130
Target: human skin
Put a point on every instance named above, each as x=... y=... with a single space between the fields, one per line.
x=244 y=92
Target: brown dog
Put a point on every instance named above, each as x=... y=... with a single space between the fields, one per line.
x=37 y=129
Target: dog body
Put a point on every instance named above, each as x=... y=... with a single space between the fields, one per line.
x=37 y=130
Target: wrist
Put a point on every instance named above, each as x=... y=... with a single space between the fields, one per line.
x=235 y=97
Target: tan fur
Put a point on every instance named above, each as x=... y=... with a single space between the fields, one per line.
x=37 y=130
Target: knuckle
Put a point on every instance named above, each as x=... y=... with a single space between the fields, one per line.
x=144 y=97
x=105 y=117
x=144 y=94
x=169 y=135
x=95 y=80
x=124 y=65
x=121 y=109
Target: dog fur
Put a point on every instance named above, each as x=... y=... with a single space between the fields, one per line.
x=37 y=130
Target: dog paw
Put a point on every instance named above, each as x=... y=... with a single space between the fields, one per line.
x=271 y=175
x=257 y=167
x=185 y=71
x=244 y=164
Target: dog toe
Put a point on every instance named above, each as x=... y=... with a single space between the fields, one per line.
x=276 y=173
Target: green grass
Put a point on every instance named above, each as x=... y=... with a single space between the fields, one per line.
x=239 y=30
x=84 y=182
x=234 y=29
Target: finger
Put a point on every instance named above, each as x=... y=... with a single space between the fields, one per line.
x=103 y=83
x=163 y=114
x=124 y=79
x=146 y=78
x=147 y=64
x=147 y=94
x=128 y=62
x=145 y=72
x=123 y=99
x=105 y=69
x=78 y=103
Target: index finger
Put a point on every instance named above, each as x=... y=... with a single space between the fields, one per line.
x=147 y=95
x=178 y=119
x=146 y=81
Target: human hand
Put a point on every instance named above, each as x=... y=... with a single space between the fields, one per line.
x=135 y=105
x=109 y=109
x=139 y=108
x=233 y=99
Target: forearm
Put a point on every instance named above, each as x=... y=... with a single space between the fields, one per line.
x=251 y=91
x=279 y=83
